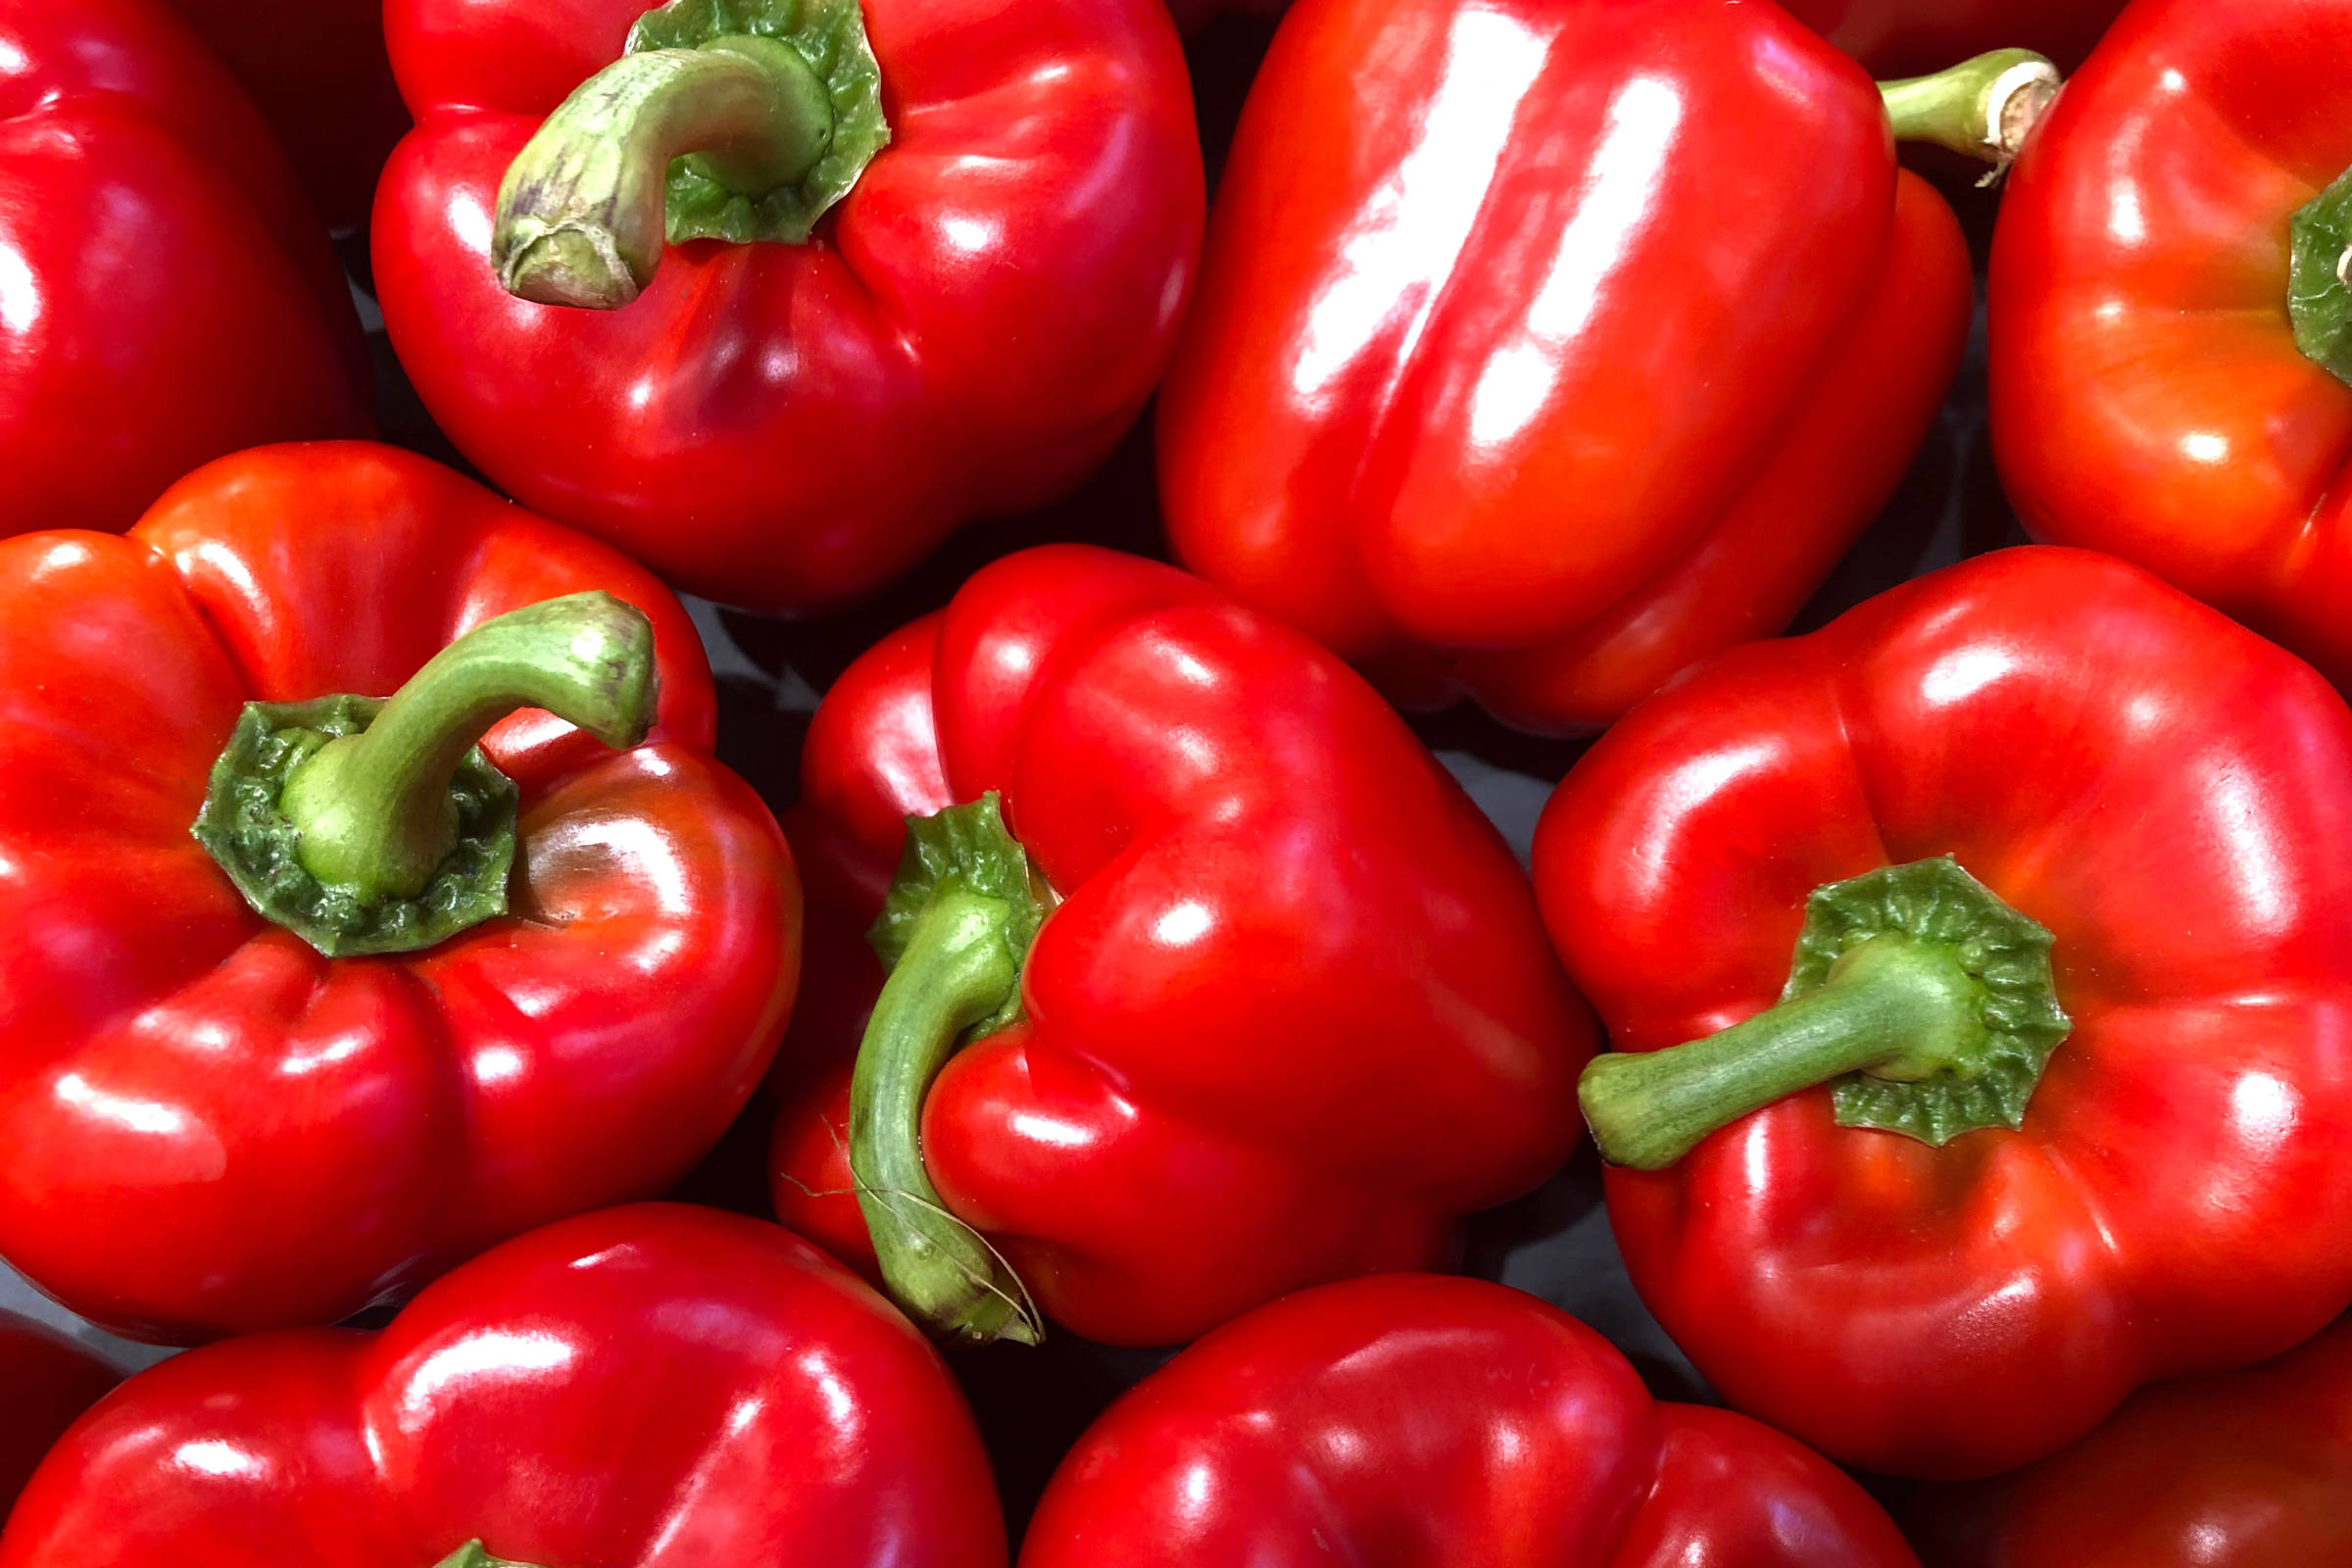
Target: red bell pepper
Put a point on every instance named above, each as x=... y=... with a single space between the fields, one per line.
x=1889 y=37
x=658 y=1385
x=1289 y=1011
x=209 y=1121
x=2171 y=332
x=317 y=70
x=46 y=1379
x=1892 y=37
x=2053 y=1100
x=2242 y=1470
x=1421 y=1422
x=166 y=295
x=1543 y=349
x=784 y=406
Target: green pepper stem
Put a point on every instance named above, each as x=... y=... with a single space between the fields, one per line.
x=373 y=810
x=473 y=1556
x=958 y=970
x=1983 y=108
x=582 y=214
x=1890 y=1007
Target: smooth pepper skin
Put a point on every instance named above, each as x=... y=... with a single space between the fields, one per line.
x=784 y=427
x=2164 y=792
x=653 y=1386
x=167 y=296
x=206 y=1127
x=2242 y=1470
x=1295 y=1013
x=1423 y=1422
x=46 y=1379
x=1543 y=349
x=2147 y=396
x=319 y=73
x=1891 y=37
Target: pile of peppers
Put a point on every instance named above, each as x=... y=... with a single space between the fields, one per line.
x=932 y=784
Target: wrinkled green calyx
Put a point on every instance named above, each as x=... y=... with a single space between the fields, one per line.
x=830 y=35
x=471 y=1555
x=372 y=827
x=2319 y=296
x=954 y=934
x=1940 y=907
x=967 y=849
x=729 y=120
x=251 y=838
x=1927 y=1004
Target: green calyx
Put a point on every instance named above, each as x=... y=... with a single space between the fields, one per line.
x=1983 y=108
x=955 y=933
x=2319 y=288
x=473 y=1556
x=253 y=841
x=1925 y=1002
x=374 y=828
x=731 y=120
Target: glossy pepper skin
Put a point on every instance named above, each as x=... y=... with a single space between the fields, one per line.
x=1294 y=1014
x=1423 y=1422
x=2164 y=793
x=1521 y=370
x=655 y=1387
x=319 y=73
x=46 y=1379
x=2147 y=395
x=168 y=295
x=2242 y=1470
x=208 y=1128
x=787 y=425
x=1891 y=37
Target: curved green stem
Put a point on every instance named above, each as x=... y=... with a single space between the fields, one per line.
x=1890 y=1007
x=582 y=214
x=958 y=969
x=373 y=810
x=1983 y=108
x=1929 y=1002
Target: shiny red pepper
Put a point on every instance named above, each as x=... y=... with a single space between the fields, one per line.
x=2243 y=1470
x=166 y=295
x=1890 y=37
x=1543 y=349
x=46 y=1379
x=784 y=405
x=317 y=70
x=1420 y=1422
x=2172 y=331
x=1288 y=1014
x=2029 y=1126
x=658 y=1385
x=207 y=1123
